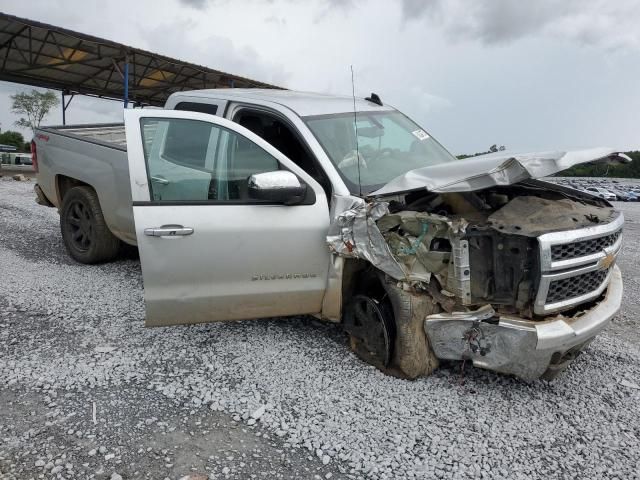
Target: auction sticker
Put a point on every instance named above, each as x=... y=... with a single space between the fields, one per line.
x=420 y=134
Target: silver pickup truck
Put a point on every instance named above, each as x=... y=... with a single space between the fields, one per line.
x=266 y=203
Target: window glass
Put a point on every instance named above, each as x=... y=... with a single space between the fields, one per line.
x=191 y=160
x=388 y=145
x=197 y=107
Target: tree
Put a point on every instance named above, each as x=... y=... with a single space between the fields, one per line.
x=35 y=105
x=12 y=138
x=492 y=149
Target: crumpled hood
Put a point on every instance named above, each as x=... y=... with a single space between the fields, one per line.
x=500 y=168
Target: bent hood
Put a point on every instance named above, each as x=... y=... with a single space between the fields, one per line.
x=500 y=168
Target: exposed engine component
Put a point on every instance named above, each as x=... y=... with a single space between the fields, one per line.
x=481 y=247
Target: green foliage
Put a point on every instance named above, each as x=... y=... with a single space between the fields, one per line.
x=12 y=138
x=629 y=170
x=35 y=105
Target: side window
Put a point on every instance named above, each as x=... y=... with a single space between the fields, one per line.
x=243 y=159
x=197 y=107
x=191 y=160
x=187 y=143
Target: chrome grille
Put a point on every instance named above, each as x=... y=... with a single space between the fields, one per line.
x=572 y=287
x=576 y=265
x=584 y=247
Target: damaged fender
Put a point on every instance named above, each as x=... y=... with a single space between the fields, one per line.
x=399 y=244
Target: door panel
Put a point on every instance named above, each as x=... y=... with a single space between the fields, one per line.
x=240 y=262
x=244 y=259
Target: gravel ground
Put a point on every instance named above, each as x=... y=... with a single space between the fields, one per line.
x=274 y=398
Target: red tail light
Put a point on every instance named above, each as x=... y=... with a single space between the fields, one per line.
x=34 y=156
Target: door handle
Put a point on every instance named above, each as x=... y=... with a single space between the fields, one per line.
x=168 y=231
x=160 y=180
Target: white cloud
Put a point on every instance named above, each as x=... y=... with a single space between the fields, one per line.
x=612 y=25
x=537 y=74
x=182 y=39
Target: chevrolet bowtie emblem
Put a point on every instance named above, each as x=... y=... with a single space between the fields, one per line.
x=607 y=261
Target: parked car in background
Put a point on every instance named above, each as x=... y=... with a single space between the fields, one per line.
x=624 y=196
x=602 y=193
x=17 y=161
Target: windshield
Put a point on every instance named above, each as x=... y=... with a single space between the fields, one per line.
x=389 y=144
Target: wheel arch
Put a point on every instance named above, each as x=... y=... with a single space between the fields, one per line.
x=412 y=353
x=65 y=183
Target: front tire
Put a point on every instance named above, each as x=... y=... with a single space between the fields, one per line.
x=386 y=327
x=84 y=230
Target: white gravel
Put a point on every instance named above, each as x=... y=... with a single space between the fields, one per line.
x=296 y=379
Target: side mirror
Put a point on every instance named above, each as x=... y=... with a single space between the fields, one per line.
x=280 y=186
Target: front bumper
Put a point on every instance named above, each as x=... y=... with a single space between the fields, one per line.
x=516 y=346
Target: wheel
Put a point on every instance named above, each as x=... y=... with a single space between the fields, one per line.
x=413 y=356
x=386 y=326
x=84 y=231
x=369 y=323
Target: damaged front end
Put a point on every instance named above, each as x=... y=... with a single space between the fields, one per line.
x=522 y=276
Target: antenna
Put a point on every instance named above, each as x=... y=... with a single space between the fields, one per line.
x=355 y=124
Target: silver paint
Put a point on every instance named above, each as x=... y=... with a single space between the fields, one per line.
x=499 y=168
x=516 y=346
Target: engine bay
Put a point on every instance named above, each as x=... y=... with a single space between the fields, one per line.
x=468 y=249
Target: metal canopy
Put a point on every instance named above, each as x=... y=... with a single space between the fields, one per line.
x=42 y=55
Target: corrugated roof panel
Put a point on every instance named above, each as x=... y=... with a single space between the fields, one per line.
x=47 y=56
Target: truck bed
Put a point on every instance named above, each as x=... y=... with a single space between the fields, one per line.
x=93 y=155
x=107 y=133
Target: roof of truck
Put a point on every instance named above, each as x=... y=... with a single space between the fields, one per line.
x=303 y=103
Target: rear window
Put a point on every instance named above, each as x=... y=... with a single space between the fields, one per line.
x=187 y=143
x=197 y=107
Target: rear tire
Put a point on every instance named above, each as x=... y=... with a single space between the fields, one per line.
x=84 y=231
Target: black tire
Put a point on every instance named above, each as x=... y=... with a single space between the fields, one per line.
x=397 y=325
x=412 y=355
x=84 y=231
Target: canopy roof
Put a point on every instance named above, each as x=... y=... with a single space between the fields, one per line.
x=42 y=55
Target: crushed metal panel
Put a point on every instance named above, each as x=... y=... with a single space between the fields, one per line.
x=505 y=348
x=368 y=231
x=501 y=168
x=354 y=234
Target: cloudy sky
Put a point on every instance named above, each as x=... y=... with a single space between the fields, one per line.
x=543 y=74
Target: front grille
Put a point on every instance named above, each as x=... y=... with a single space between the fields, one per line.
x=584 y=247
x=572 y=287
x=569 y=272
